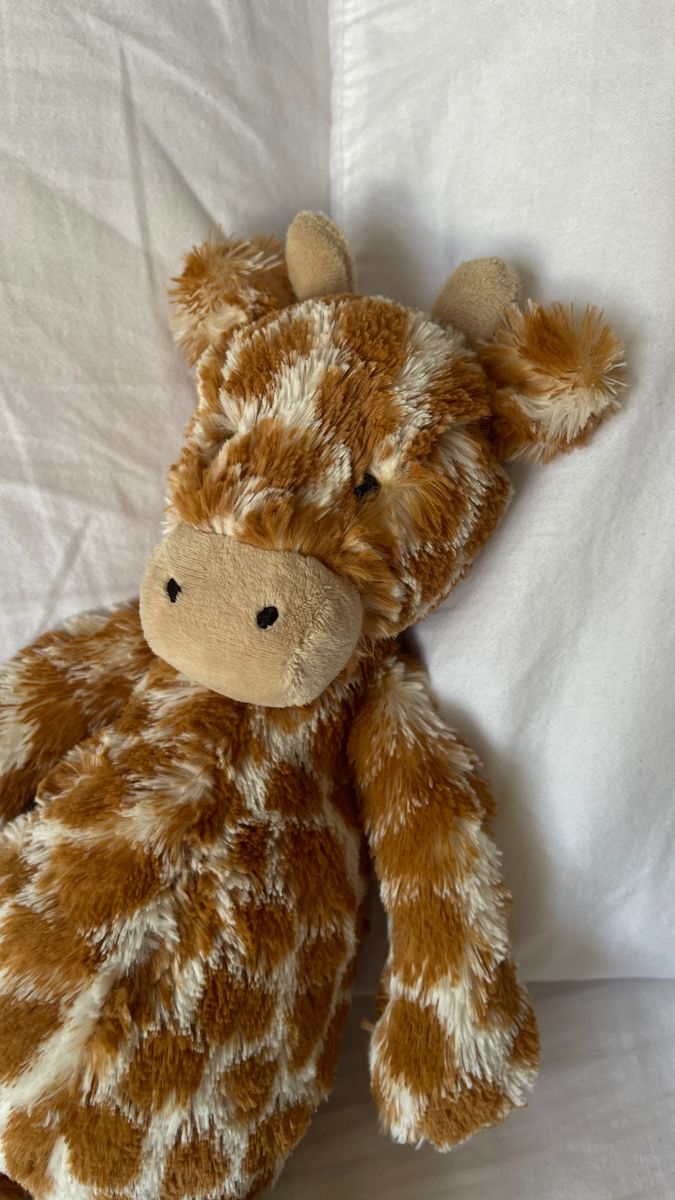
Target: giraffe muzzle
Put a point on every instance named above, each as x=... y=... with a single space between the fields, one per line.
x=269 y=627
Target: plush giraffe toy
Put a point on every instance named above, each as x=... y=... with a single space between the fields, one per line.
x=186 y=786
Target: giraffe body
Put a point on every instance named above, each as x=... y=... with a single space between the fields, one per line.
x=187 y=790
x=197 y=867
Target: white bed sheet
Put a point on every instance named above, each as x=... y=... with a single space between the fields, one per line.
x=598 y=1126
x=128 y=129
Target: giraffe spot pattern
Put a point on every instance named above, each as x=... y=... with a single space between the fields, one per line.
x=182 y=876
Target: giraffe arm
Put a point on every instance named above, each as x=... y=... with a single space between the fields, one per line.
x=65 y=686
x=456 y=1045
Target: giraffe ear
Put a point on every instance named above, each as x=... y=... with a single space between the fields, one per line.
x=554 y=373
x=224 y=284
x=318 y=257
x=555 y=376
x=476 y=296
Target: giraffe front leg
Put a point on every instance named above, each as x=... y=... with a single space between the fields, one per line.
x=439 y=1075
x=456 y=1047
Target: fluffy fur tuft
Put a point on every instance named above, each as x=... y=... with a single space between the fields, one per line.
x=224 y=284
x=556 y=378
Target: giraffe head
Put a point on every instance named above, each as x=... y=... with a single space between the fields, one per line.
x=343 y=466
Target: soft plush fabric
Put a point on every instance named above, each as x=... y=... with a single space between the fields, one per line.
x=452 y=131
x=319 y=263
x=183 y=860
x=212 y=633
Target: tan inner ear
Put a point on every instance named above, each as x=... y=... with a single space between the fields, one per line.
x=476 y=296
x=318 y=257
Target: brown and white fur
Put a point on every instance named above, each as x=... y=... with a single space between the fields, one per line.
x=182 y=872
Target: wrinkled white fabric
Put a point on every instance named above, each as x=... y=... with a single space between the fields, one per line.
x=434 y=132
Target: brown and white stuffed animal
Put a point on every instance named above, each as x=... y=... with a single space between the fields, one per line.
x=191 y=792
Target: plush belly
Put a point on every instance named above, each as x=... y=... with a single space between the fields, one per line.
x=178 y=927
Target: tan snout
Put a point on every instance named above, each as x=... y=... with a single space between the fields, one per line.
x=262 y=626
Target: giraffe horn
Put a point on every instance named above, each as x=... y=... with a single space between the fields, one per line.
x=318 y=257
x=476 y=296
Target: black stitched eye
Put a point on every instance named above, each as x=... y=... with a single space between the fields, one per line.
x=267 y=616
x=367 y=485
x=173 y=589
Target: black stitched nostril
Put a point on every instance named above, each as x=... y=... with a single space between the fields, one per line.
x=173 y=590
x=267 y=616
